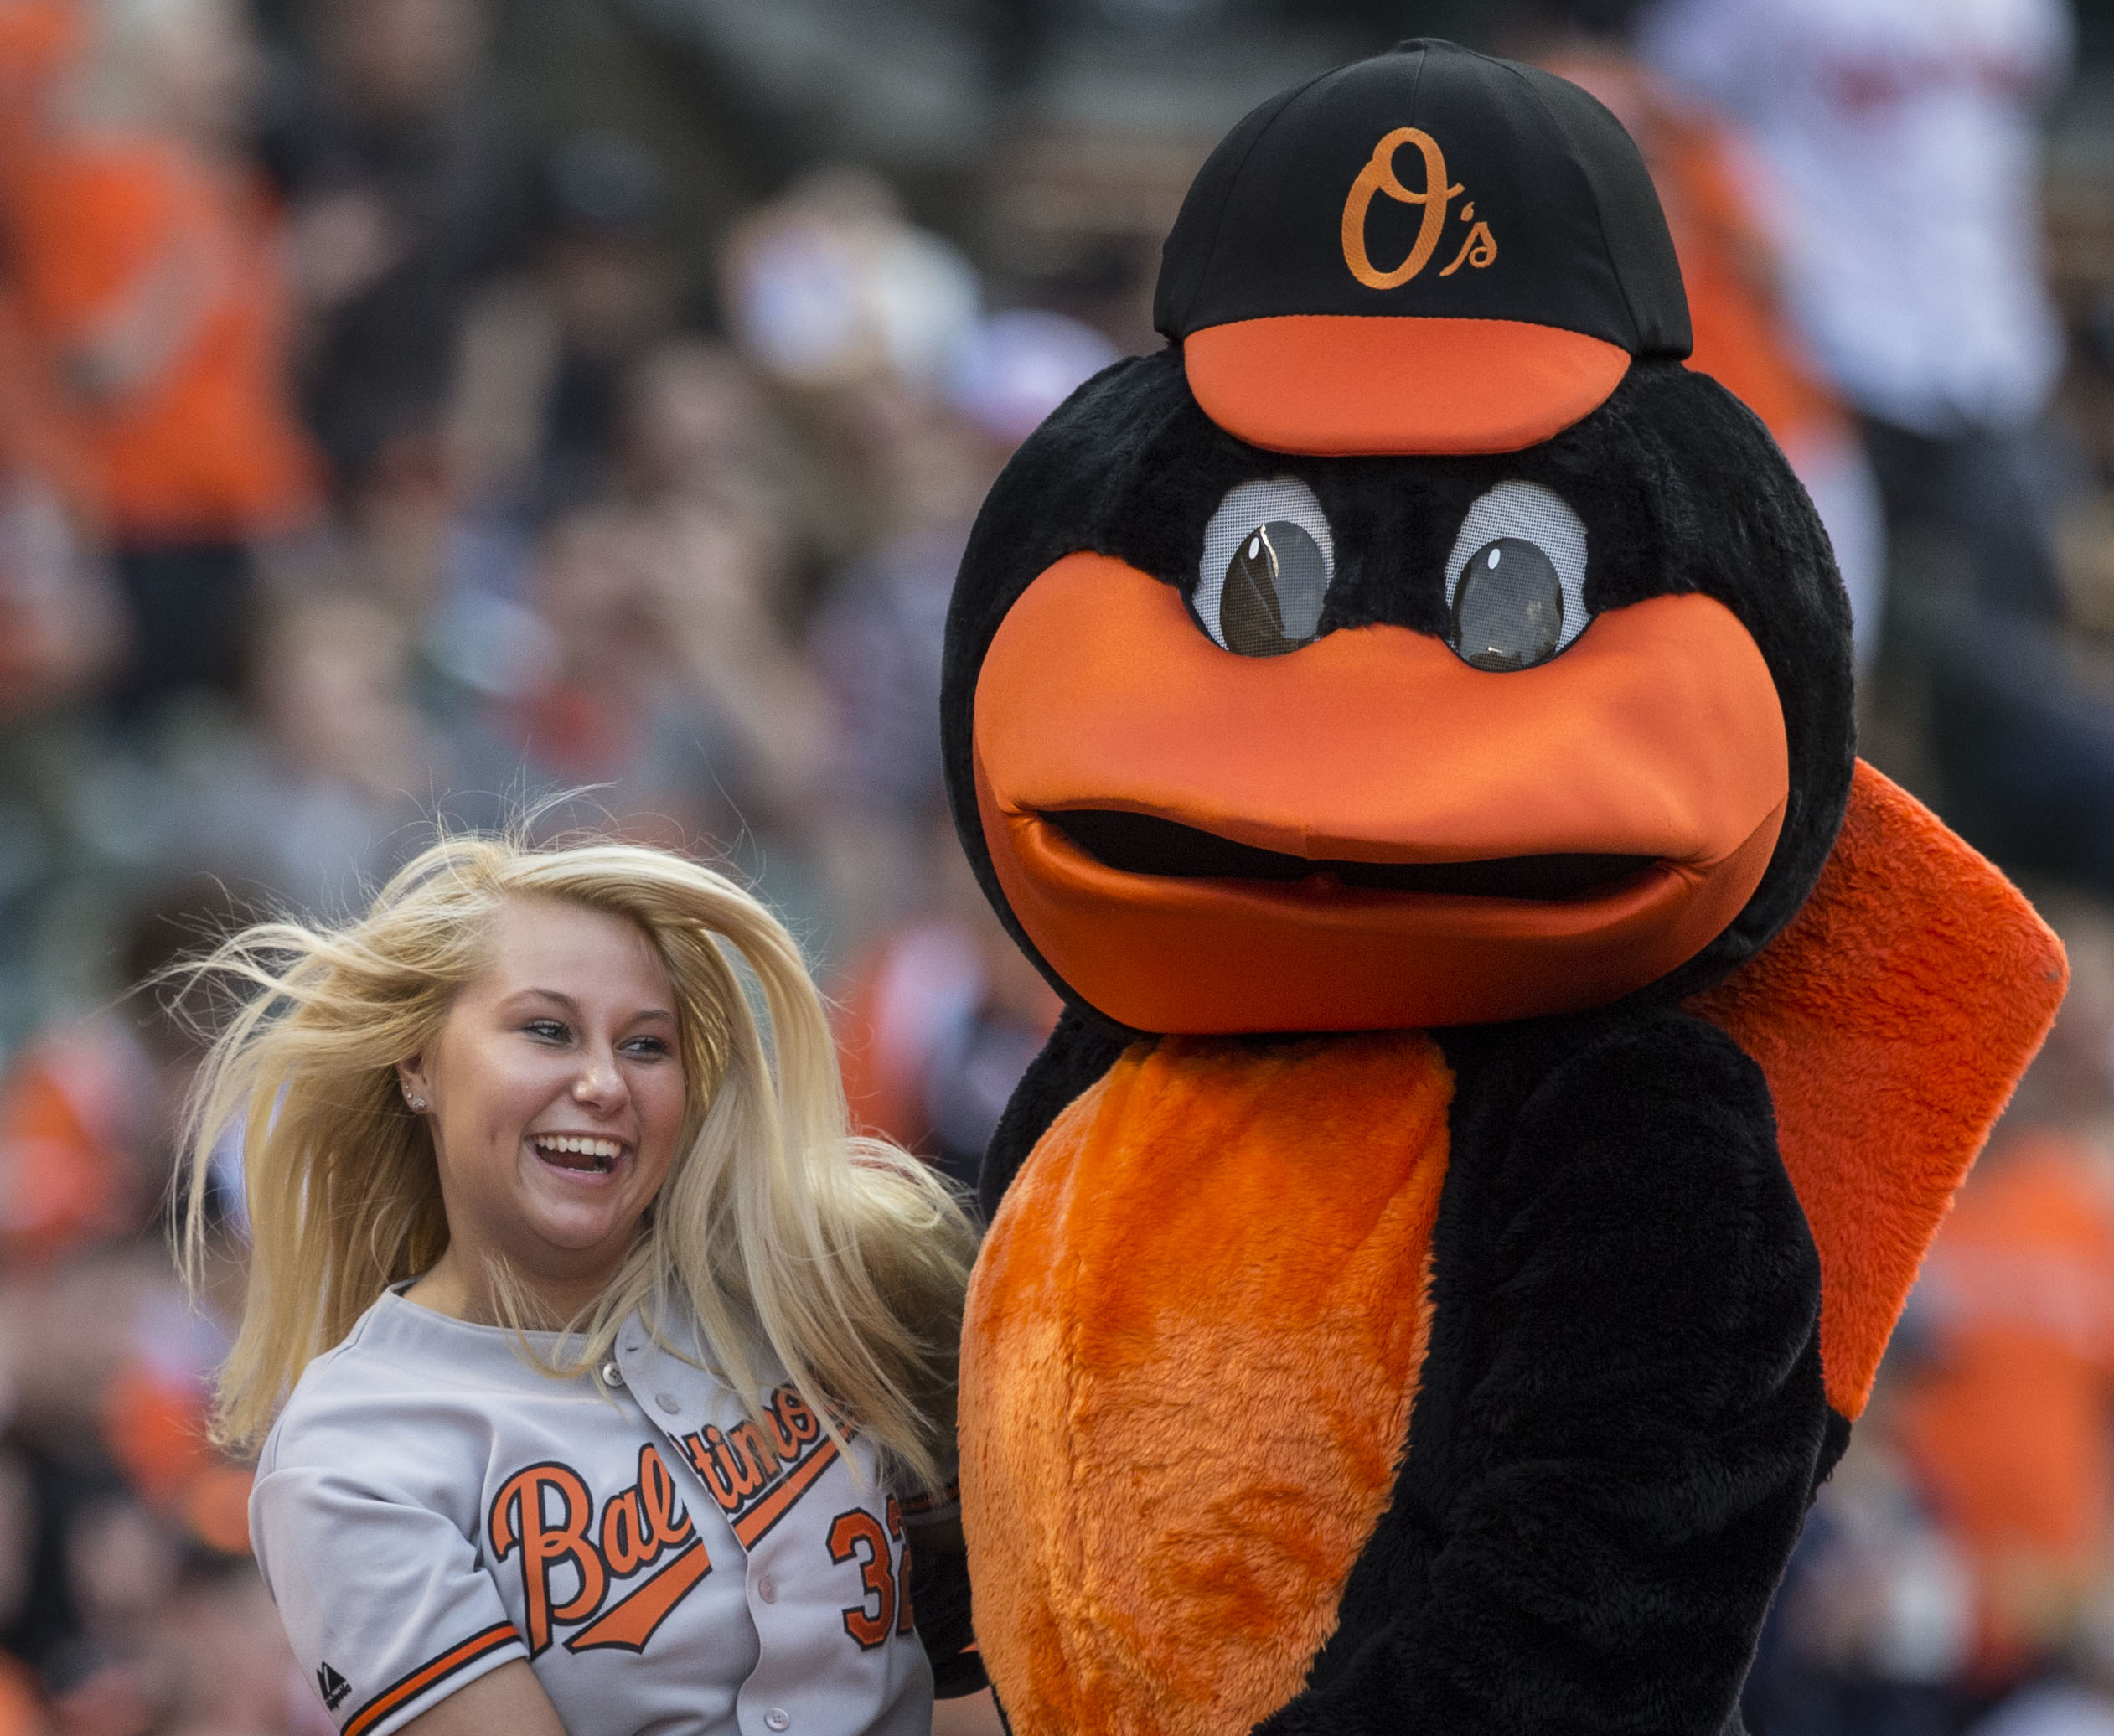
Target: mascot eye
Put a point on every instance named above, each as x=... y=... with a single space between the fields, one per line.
x=1267 y=560
x=1516 y=580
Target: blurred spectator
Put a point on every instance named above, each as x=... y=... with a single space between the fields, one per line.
x=666 y=684
x=2007 y=1413
x=539 y=395
x=829 y=286
x=318 y=798
x=2008 y=1420
x=930 y=456
x=22 y=1710
x=699 y=429
x=2050 y=1708
x=116 y=1517
x=1904 y=140
x=1729 y=264
x=89 y=1106
x=59 y=628
x=407 y=191
x=145 y=270
x=939 y=1020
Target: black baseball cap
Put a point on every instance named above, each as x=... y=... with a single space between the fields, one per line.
x=1432 y=250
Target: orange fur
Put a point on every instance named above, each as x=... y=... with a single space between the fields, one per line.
x=1893 y=1017
x=1187 y=1371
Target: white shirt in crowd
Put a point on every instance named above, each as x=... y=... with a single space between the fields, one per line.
x=429 y=1506
x=1902 y=137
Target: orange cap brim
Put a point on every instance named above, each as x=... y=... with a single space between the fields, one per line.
x=1335 y=385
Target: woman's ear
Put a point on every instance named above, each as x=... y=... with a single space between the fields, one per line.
x=411 y=1078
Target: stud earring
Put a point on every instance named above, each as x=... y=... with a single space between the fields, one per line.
x=417 y=1103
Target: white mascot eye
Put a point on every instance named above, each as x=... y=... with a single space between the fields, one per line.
x=1516 y=580
x=1267 y=561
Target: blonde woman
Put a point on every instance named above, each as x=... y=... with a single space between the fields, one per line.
x=612 y=1381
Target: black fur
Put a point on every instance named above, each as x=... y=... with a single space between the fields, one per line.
x=939 y=1594
x=1620 y=1421
x=1679 y=486
x=1077 y=1054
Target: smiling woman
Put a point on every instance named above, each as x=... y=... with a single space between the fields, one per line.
x=605 y=1382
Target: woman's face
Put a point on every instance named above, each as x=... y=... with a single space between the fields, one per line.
x=554 y=1094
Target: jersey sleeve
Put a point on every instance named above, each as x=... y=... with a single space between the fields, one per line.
x=384 y=1601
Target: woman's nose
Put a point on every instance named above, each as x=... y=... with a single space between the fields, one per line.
x=600 y=1081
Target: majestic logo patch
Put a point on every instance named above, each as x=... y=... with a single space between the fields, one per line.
x=1436 y=196
x=333 y=1686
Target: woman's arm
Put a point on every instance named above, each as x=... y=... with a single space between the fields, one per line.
x=510 y=1698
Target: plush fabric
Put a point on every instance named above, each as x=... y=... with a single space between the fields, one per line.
x=1893 y=1017
x=1679 y=487
x=1078 y=1052
x=1621 y=1415
x=1635 y=1310
x=1198 y=1321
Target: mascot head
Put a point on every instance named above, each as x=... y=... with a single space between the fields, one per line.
x=1413 y=641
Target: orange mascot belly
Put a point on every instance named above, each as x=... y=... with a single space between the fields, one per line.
x=1193 y=1339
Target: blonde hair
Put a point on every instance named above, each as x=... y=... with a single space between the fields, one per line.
x=843 y=1257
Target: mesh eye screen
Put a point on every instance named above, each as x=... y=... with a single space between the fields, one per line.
x=1534 y=514
x=1245 y=510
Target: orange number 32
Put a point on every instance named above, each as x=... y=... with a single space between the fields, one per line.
x=884 y=1606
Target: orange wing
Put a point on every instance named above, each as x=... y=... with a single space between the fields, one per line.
x=1892 y=1018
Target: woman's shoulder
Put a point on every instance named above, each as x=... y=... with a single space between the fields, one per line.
x=404 y=1374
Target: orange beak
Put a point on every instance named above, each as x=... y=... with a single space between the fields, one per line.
x=1605 y=814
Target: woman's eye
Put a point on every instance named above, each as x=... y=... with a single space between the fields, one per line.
x=551 y=1030
x=1516 y=580
x=1267 y=560
x=650 y=1048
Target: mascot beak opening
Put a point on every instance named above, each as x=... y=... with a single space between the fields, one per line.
x=1367 y=834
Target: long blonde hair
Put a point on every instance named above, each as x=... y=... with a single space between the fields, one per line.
x=843 y=1257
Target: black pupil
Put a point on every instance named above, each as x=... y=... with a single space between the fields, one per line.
x=1274 y=584
x=1508 y=607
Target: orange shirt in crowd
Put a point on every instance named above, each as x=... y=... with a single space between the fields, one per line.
x=2008 y=1421
x=902 y=990
x=22 y=1707
x=1741 y=339
x=75 y=1102
x=149 y=277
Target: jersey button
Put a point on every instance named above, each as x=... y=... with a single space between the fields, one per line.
x=668 y=1401
x=767 y=1588
x=777 y=1718
x=611 y=1375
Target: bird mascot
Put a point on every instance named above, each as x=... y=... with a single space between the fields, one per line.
x=1515 y=1055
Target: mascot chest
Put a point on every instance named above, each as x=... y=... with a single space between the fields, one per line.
x=1193 y=1339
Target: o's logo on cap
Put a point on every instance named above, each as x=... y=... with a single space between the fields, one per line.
x=1378 y=176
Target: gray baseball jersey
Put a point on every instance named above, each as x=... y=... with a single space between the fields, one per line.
x=429 y=1506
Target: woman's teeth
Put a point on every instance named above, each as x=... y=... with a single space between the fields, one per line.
x=599 y=1154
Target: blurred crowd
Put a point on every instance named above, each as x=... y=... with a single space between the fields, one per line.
x=371 y=459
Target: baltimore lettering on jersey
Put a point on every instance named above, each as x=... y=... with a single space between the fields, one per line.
x=756 y=1483
x=572 y=1551
x=544 y=1518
